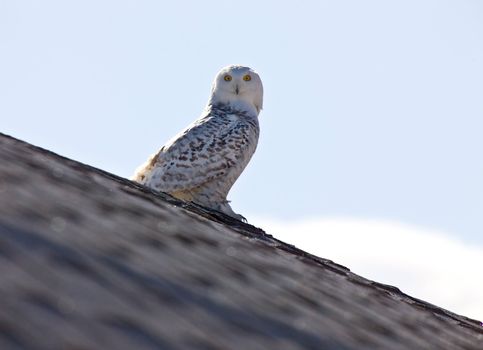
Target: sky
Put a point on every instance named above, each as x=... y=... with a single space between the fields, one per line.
x=422 y=263
x=372 y=110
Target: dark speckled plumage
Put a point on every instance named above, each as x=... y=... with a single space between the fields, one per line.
x=202 y=163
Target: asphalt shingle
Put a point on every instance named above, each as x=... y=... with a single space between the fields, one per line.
x=90 y=260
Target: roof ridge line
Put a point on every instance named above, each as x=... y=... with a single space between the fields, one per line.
x=252 y=231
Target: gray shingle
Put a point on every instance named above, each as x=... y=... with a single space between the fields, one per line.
x=92 y=261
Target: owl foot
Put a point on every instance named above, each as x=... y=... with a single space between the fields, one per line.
x=225 y=208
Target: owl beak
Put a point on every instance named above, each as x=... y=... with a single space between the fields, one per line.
x=237 y=90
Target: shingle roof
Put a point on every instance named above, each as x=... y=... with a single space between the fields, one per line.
x=90 y=260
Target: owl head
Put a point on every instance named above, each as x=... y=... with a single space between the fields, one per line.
x=238 y=86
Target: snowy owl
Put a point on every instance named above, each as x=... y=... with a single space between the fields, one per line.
x=203 y=161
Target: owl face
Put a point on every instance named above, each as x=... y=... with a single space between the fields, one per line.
x=238 y=86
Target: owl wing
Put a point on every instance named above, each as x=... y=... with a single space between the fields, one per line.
x=203 y=152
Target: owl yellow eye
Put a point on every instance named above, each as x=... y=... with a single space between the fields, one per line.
x=227 y=77
x=247 y=77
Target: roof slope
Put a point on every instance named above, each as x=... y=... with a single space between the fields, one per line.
x=92 y=261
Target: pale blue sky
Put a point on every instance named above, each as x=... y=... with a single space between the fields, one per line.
x=373 y=109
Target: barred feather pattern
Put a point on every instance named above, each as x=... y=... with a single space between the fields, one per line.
x=202 y=162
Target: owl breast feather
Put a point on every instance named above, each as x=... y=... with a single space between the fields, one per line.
x=208 y=156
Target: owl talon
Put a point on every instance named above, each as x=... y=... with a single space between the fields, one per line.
x=241 y=218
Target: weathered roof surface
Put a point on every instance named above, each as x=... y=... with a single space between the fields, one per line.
x=89 y=260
